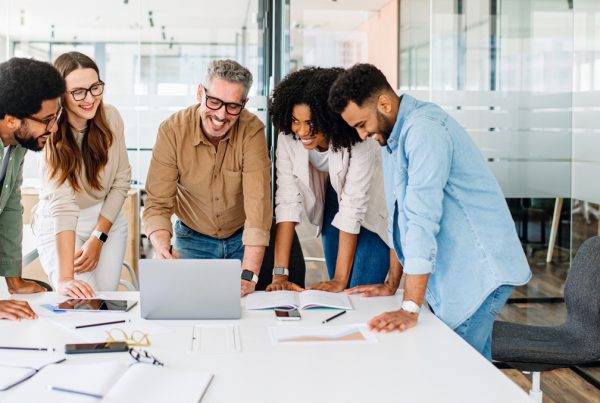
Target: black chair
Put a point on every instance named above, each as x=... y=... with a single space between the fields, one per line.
x=575 y=342
x=297 y=267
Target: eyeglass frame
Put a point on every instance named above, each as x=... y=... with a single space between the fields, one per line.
x=137 y=353
x=128 y=337
x=223 y=103
x=49 y=122
x=100 y=83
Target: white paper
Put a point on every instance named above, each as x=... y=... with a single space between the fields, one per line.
x=28 y=359
x=10 y=376
x=99 y=333
x=216 y=339
x=272 y=299
x=302 y=300
x=299 y=335
x=152 y=383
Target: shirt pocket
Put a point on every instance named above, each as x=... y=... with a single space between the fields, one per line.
x=232 y=183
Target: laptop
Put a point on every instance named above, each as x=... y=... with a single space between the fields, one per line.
x=190 y=288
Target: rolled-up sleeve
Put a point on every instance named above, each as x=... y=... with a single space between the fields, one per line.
x=355 y=192
x=113 y=203
x=161 y=183
x=429 y=150
x=288 y=199
x=256 y=182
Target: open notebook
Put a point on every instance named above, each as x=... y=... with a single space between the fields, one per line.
x=17 y=366
x=115 y=382
x=300 y=300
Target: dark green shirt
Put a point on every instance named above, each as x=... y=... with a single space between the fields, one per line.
x=11 y=213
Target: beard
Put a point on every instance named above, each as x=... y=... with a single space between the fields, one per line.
x=28 y=140
x=384 y=128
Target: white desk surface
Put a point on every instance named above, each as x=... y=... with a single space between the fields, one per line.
x=429 y=363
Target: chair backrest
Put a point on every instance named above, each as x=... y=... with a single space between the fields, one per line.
x=582 y=288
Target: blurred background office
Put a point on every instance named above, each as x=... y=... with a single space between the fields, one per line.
x=523 y=77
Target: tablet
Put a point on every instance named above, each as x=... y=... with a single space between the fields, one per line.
x=96 y=305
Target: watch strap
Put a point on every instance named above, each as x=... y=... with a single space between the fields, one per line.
x=249 y=275
x=100 y=235
x=410 y=306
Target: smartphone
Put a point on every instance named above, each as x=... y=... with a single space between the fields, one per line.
x=84 y=348
x=292 y=314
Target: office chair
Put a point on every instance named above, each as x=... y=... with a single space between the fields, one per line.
x=575 y=342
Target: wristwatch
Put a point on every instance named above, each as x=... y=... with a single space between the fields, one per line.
x=100 y=235
x=410 y=306
x=280 y=271
x=249 y=276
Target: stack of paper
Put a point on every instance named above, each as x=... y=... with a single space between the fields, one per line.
x=17 y=366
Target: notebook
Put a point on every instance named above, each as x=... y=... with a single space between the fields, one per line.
x=114 y=382
x=299 y=300
x=18 y=366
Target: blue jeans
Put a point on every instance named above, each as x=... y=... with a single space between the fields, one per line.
x=193 y=245
x=477 y=329
x=372 y=256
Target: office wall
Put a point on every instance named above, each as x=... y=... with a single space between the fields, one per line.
x=382 y=36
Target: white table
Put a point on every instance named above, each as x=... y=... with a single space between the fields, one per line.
x=429 y=363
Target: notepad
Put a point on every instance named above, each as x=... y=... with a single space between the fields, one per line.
x=346 y=334
x=18 y=366
x=115 y=381
x=300 y=300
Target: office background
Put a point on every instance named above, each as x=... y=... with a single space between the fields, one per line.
x=523 y=76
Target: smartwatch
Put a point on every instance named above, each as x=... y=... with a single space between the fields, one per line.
x=100 y=235
x=249 y=276
x=410 y=306
x=281 y=271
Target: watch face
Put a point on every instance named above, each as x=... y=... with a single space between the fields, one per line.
x=247 y=275
x=279 y=271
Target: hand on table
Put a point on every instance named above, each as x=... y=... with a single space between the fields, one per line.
x=17 y=285
x=166 y=252
x=284 y=284
x=247 y=287
x=16 y=310
x=75 y=289
x=331 y=286
x=373 y=290
x=399 y=320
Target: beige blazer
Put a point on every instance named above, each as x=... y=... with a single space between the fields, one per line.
x=357 y=180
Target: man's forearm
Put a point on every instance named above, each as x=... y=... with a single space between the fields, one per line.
x=253 y=258
x=415 y=287
x=395 y=271
x=160 y=239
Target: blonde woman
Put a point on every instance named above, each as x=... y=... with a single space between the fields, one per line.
x=81 y=230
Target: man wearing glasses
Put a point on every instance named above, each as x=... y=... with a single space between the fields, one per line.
x=29 y=109
x=210 y=166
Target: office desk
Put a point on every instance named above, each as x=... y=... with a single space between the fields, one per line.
x=426 y=364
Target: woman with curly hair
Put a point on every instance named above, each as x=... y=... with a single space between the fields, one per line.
x=80 y=228
x=325 y=170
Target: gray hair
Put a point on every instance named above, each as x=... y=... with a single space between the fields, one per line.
x=228 y=70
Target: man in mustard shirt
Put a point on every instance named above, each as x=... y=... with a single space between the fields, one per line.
x=210 y=166
x=29 y=109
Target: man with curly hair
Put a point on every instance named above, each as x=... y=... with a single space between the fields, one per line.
x=450 y=224
x=30 y=93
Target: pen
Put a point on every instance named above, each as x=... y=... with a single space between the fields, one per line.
x=102 y=324
x=334 y=316
x=77 y=392
x=27 y=348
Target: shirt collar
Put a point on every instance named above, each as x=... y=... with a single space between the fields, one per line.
x=407 y=105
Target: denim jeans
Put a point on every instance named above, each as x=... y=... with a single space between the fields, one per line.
x=372 y=256
x=477 y=329
x=193 y=245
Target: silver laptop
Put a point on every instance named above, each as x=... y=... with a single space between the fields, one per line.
x=190 y=288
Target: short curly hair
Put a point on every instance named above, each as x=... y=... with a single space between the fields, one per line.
x=310 y=86
x=358 y=84
x=25 y=84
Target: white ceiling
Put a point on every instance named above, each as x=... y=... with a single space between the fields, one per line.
x=198 y=21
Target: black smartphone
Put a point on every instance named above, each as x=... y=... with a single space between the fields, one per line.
x=291 y=314
x=83 y=348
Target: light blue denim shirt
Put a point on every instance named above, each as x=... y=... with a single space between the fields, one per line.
x=447 y=214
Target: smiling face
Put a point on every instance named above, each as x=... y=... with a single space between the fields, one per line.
x=372 y=119
x=216 y=123
x=79 y=112
x=32 y=134
x=302 y=127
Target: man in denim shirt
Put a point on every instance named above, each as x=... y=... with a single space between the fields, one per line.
x=448 y=219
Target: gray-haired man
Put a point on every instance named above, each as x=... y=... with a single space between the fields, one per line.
x=210 y=166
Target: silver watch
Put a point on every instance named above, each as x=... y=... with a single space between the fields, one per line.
x=281 y=271
x=410 y=306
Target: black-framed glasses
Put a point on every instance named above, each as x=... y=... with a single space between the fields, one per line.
x=49 y=122
x=144 y=356
x=214 y=103
x=79 y=94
